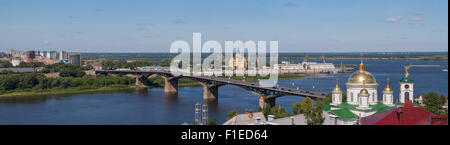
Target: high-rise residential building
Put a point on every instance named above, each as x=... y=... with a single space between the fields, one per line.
x=75 y=59
x=53 y=55
x=16 y=53
x=48 y=55
x=31 y=54
x=63 y=55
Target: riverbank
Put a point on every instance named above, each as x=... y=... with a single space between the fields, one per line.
x=61 y=91
x=157 y=82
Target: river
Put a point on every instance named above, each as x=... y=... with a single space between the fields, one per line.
x=153 y=107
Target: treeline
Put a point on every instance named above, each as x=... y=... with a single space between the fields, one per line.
x=38 y=82
x=7 y=64
x=128 y=56
x=66 y=70
x=115 y=64
x=434 y=103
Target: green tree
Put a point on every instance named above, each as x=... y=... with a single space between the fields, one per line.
x=443 y=99
x=313 y=113
x=5 y=64
x=212 y=121
x=71 y=73
x=432 y=102
x=327 y=99
x=232 y=113
x=28 y=80
x=307 y=105
x=446 y=112
x=315 y=117
x=296 y=108
x=31 y=64
x=278 y=111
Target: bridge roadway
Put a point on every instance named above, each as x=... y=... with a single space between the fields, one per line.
x=266 y=95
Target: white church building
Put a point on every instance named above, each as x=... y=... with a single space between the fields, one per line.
x=362 y=97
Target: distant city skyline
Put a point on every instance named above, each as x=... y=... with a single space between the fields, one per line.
x=151 y=26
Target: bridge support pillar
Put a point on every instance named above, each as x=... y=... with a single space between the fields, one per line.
x=210 y=92
x=141 y=80
x=170 y=84
x=266 y=102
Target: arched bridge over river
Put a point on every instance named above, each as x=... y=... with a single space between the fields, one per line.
x=211 y=84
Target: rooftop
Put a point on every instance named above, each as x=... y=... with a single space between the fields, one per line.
x=406 y=80
x=245 y=119
x=343 y=110
x=344 y=113
x=407 y=115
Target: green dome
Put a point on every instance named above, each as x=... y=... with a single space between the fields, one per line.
x=406 y=80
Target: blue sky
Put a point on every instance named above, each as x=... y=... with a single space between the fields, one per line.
x=152 y=25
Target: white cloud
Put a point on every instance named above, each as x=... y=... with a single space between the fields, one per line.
x=45 y=42
x=289 y=4
x=394 y=20
x=417 y=19
x=179 y=21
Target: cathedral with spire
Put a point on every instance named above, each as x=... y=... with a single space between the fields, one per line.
x=362 y=97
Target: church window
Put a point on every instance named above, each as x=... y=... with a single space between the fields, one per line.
x=373 y=97
x=351 y=96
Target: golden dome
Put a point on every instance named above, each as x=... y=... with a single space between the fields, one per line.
x=364 y=91
x=387 y=89
x=337 y=89
x=362 y=76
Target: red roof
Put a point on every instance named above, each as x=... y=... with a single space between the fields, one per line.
x=407 y=115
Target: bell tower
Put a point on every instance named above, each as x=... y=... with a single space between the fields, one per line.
x=406 y=87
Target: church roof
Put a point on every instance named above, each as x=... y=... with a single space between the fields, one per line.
x=406 y=80
x=327 y=107
x=402 y=104
x=344 y=113
x=377 y=108
x=361 y=76
x=407 y=115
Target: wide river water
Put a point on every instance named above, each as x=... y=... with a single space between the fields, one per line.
x=152 y=106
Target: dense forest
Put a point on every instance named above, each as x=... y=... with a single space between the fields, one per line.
x=71 y=76
x=38 y=82
x=115 y=64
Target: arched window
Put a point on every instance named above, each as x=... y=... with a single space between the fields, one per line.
x=406 y=96
x=374 y=98
x=351 y=96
